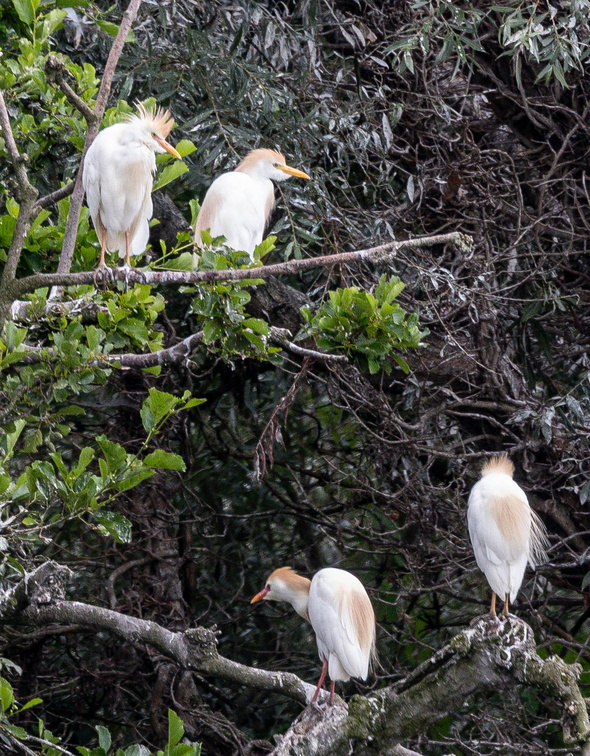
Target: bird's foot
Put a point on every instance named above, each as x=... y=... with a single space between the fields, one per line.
x=126 y=270
x=103 y=275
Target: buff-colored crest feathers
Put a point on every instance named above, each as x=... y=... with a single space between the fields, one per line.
x=291 y=579
x=159 y=119
x=260 y=154
x=499 y=464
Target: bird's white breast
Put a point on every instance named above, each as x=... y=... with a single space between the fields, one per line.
x=238 y=206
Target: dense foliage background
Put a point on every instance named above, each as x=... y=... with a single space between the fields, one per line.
x=412 y=118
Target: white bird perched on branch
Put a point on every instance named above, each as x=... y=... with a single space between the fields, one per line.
x=341 y=615
x=237 y=205
x=118 y=177
x=504 y=530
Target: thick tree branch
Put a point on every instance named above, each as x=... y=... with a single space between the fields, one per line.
x=37 y=600
x=373 y=254
x=489 y=655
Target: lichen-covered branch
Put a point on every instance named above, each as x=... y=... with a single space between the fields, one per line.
x=489 y=655
x=38 y=600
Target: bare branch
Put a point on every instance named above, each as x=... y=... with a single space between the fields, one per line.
x=374 y=254
x=37 y=600
x=56 y=71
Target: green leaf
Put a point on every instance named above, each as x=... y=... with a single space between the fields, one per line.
x=25 y=10
x=164 y=460
x=6 y=694
x=104 y=737
x=157 y=406
x=169 y=173
x=175 y=728
x=119 y=527
x=30 y=704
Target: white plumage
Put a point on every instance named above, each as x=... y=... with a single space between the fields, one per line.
x=237 y=204
x=118 y=178
x=504 y=531
x=340 y=612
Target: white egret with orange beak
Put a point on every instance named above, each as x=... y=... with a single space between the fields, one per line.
x=504 y=530
x=238 y=204
x=339 y=610
x=118 y=178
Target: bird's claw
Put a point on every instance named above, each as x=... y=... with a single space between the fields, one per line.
x=102 y=276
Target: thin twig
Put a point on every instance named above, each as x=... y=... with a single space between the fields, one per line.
x=27 y=195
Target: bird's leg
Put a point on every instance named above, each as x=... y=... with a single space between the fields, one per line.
x=505 y=609
x=332 y=689
x=103 y=249
x=320 y=681
x=127 y=250
x=102 y=273
x=493 y=605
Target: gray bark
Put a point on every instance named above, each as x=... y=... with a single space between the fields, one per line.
x=491 y=654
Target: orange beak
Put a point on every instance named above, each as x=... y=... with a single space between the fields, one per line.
x=292 y=171
x=168 y=147
x=260 y=596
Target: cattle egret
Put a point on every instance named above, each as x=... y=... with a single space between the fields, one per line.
x=118 y=177
x=237 y=204
x=504 y=530
x=341 y=615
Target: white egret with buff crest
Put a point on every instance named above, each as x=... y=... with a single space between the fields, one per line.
x=504 y=530
x=339 y=610
x=238 y=204
x=118 y=178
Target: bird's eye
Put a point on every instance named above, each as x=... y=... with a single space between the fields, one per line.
x=267 y=587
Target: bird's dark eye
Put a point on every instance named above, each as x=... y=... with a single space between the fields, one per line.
x=268 y=587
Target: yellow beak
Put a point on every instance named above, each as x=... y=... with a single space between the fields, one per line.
x=292 y=171
x=259 y=596
x=168 y=147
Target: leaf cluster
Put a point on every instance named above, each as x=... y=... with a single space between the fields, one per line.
x=371 y=328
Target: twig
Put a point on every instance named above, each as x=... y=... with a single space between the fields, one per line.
x=27 y=195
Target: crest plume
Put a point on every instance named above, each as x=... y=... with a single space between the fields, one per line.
x=159 y=119
x=260 y=154
x=499 y=464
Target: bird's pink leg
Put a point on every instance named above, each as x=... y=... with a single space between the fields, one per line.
x=505 y=610
x=320 y=681
x=127 y=252
x=103 y=248
x=332 y=689
x=493 y=605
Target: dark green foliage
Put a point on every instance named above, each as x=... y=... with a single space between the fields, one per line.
x=411 y=120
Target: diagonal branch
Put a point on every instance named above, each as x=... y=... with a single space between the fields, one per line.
x=93 y=119
x=489 y=655
x=27 y=196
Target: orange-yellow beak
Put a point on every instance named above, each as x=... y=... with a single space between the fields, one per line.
x=260 y=596
x=293 y=171
x=168 y=147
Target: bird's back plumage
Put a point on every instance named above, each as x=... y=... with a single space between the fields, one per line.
x=236 y=206
x=504 y=531
x=343 y=619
